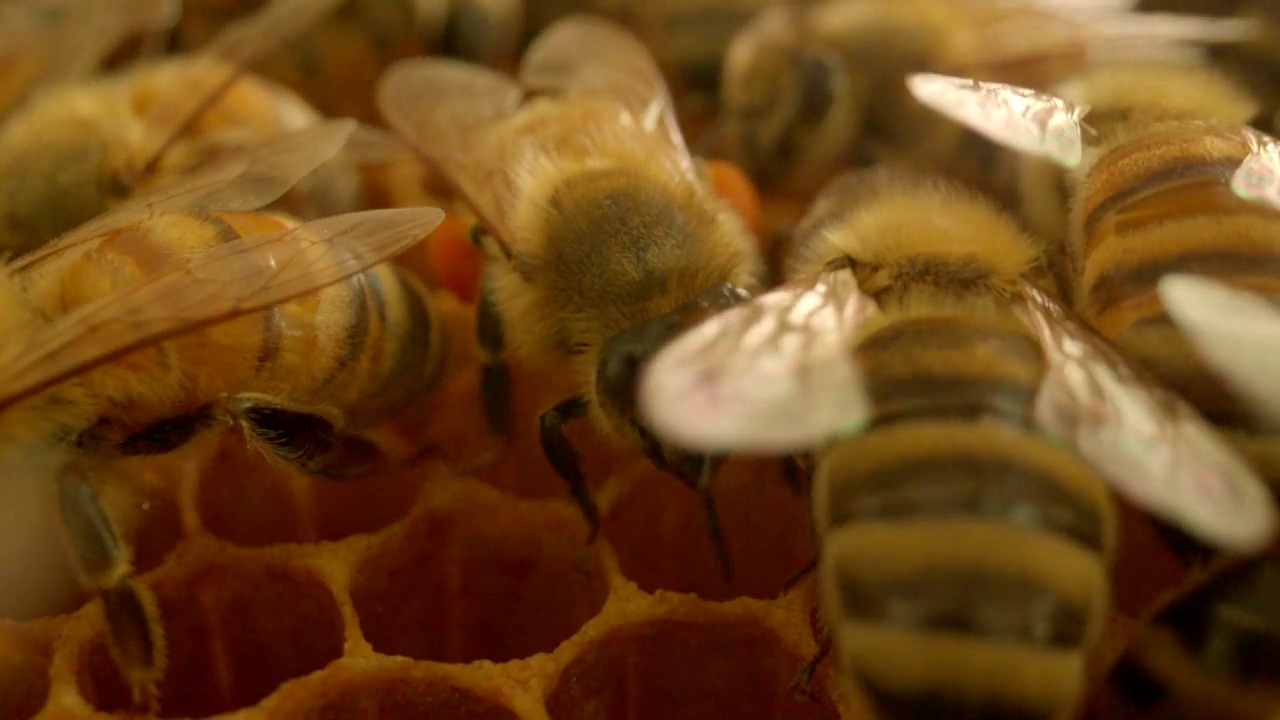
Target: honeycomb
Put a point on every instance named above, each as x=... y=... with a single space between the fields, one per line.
x=429 y=593
x=459 y=587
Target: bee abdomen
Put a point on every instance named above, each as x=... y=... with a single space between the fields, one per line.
x=392 y=351
x=965 y=568
x=1159 y=204
x=1162 y=204
x=951 y=366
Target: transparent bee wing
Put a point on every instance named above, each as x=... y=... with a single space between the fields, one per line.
x=1153 y=447
x=448 y=111
x=214 y=67
x=1235 y=331
x=370 y=145
x=240 y=277
x=588 y=56
x=1258 y=177
x=238 y=182
x=1016 y=117
x=774 y=375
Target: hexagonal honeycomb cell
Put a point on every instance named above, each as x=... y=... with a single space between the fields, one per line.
x=427 y=593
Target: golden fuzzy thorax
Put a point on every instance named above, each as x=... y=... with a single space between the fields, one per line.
x=1130 y=101
x=915 y=229
x=1189 y=91
x=608 y=240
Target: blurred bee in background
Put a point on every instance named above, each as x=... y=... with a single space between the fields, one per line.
x=1209 y=649
x=334 y=64
x=966 y=427
x=1155 y=186
x=602 y=241
x=184 y=310
x=45 y=42
x=688 y=38
x=78 y=149
x=809 y=88
x=1256 y=62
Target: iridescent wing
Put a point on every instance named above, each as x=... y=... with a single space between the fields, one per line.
x=240 y=181
x=1258 y=177
x=1152 y=447
x=240 y=277
x=214 y=67
x=774 y=375
x=1016 y=117
x=448 y=111
x=43 y=42
x=1236 y=332
x=589 y=56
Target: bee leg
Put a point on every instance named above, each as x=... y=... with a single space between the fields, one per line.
x=565 y=460
x=167 y=435
x=495 y=376
x=804 y=679
x=135 y=633
x=705 y=476
x=308 y=438
x=707 y=465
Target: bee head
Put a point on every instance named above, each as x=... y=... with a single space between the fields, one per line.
x=624 y=355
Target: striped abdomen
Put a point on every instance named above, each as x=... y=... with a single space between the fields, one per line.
x=1158 y=204
x=366 y=347
x=964 y=561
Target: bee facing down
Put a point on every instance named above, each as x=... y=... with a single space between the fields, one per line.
x=603 y=241
x=966 y=429
x=181 y=311
x=1154 y=187
x=77 y=149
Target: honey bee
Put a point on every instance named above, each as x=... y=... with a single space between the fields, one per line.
x=180 y=311
x=334 y=64
x=966 y=428
x=1155 y=186
x=602 y=242
x=812 y=87
x=44 y=42
x=74 y=151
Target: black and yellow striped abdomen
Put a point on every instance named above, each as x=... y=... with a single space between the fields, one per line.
x=965 y=557
x=1161 y=203
x=362 y=350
